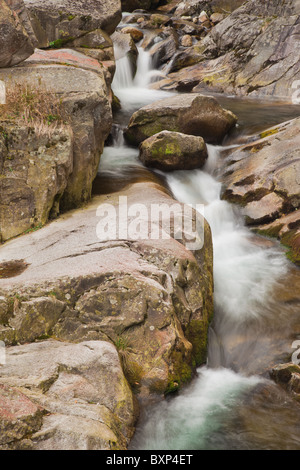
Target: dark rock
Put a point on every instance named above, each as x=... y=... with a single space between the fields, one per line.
x=173 y=151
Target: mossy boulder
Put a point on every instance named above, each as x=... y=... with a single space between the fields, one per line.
x=173 y=151
x=191 y=113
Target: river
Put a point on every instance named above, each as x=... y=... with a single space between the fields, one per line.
x=231 y=403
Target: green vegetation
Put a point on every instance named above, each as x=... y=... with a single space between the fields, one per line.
x=34 y=106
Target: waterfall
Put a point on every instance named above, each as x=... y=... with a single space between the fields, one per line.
x=216 y=411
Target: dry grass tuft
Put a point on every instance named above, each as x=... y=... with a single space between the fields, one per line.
x=35 y=107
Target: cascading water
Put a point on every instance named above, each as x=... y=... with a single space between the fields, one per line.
x=228 y=405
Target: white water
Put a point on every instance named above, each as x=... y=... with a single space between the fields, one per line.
x=188 y=421
x=244 y=273
x=132 y=90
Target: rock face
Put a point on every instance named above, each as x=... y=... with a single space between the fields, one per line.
x=34 y=175
x=18 y=7
x=151 y=297
x=81 y=83
x=57 y=20
x=257 y=59
x=173 y=151
x=15 y=44
x=65 y=397
x=192 y=114
x=264 y=177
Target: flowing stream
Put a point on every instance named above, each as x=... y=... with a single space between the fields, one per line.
x=231 y=403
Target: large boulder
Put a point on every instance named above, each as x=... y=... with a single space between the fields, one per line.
x=192 y=114
x=57 y=19
x=15 y=43
x=147 y=293
x=89 y=403
x=62 y=20
x=263 y=177
x=173 y=151
x=288 y=376
x=82 y=84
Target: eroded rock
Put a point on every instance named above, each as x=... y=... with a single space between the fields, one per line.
x=263 y=176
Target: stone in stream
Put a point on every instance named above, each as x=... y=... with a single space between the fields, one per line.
x=263 y=176
x=169 y=151
x=62 y=396
x=15 y=43
x=189 y=113
x=288 y=376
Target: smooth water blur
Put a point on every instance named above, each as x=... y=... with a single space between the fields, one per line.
x=228 y=405
x=189 y=420
x=240 y=267
x=132 y=89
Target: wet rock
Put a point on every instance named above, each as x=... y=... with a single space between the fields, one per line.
x=59 y=21
x=125 y=46
x=169 y=151
x=88 y=400
x=15 y=43
x=263 y=177
x=192 y=114
x=164 y=50
x=288 y=376
x=135 y=33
